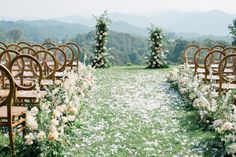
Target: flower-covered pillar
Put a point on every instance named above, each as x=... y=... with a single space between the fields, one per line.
x=100 y=59
x=157 y=58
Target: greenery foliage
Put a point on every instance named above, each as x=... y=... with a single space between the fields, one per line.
x=101 y=57
x=157 y=58
x=123 y=47
x=232 y=28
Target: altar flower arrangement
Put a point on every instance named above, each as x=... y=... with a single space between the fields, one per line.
x=157 y=58
x=100 y=59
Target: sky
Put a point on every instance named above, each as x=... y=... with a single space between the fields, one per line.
x=45 y=9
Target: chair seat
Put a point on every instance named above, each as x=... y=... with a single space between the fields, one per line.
x=25 y=82
x=200 y=70
x=4 y=93
x=23 y=94
x=214 y=77
x=59 y=75
x=27 y=94
x=15 y=111
x=225 y=86
x=51 y=82
x=225 y=71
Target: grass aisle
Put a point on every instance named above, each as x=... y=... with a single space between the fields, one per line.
x=134 y=113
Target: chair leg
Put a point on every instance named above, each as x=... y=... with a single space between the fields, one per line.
x=24 y=125
x=11 y=138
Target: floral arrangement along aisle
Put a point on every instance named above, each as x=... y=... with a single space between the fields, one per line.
x=217 y=112
x=157 y=58
x=100 y=60
x=51 y=126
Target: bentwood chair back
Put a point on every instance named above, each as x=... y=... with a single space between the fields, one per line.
x=11 y=116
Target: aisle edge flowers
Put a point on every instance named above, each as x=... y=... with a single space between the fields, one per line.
x=58 y=112
x=217 y=112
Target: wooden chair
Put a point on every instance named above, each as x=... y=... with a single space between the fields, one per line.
x=48 y=45
x=229 y=50
x=2 y=44
x=5 y=59
x=69 y=55
x=6 y=56
x=217 y=47
x=61 y=60
x=227 y=80
x=11 y=116
x=23 y=44
x=27 y=50
x=76 y=51
x=211 y=62
x=49 y=66
x=2 y=49
x=189 y=53
x=199 y=58
x=13 y=47
x=37 y=47
x=26 y=87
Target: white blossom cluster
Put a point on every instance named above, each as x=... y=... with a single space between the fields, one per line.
x=218 y=112
x=102 y=27
x=60 y=109
x=157 y=58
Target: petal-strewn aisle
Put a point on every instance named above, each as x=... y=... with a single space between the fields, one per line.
x=132 y=112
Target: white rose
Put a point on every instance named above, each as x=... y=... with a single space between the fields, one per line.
x=52 y=128
x=41 y=135
x=73 y=110
x=54 y=122
x=71 y=118
x=213 y=105
x=52 y=136
x=34 y=111
x=60 y=109
x=232 y=148
x=192 y=96
x=183 y=90
x=214 y=94
x=29 y=139
x=31 y=122
x=56 y=113
x=217 y=123
x=64 y=119
x=227 y=126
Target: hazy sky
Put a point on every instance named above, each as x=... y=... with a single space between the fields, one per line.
x=58 y=8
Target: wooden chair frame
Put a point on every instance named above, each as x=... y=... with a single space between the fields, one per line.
x=9 y=112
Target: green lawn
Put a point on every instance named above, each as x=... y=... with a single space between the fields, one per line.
x=132 y=112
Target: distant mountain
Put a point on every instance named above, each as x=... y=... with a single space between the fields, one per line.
x=40 y=30
x=120 y=26
x=214 y=22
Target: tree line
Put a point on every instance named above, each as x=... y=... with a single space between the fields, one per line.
x=123 y=48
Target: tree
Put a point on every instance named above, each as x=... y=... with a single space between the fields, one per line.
x=232 y=28
x=15 y=35
x=176 y=50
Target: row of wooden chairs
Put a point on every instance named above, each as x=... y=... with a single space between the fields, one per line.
x=71 y=49
x=23 y=68
x=216 y=65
